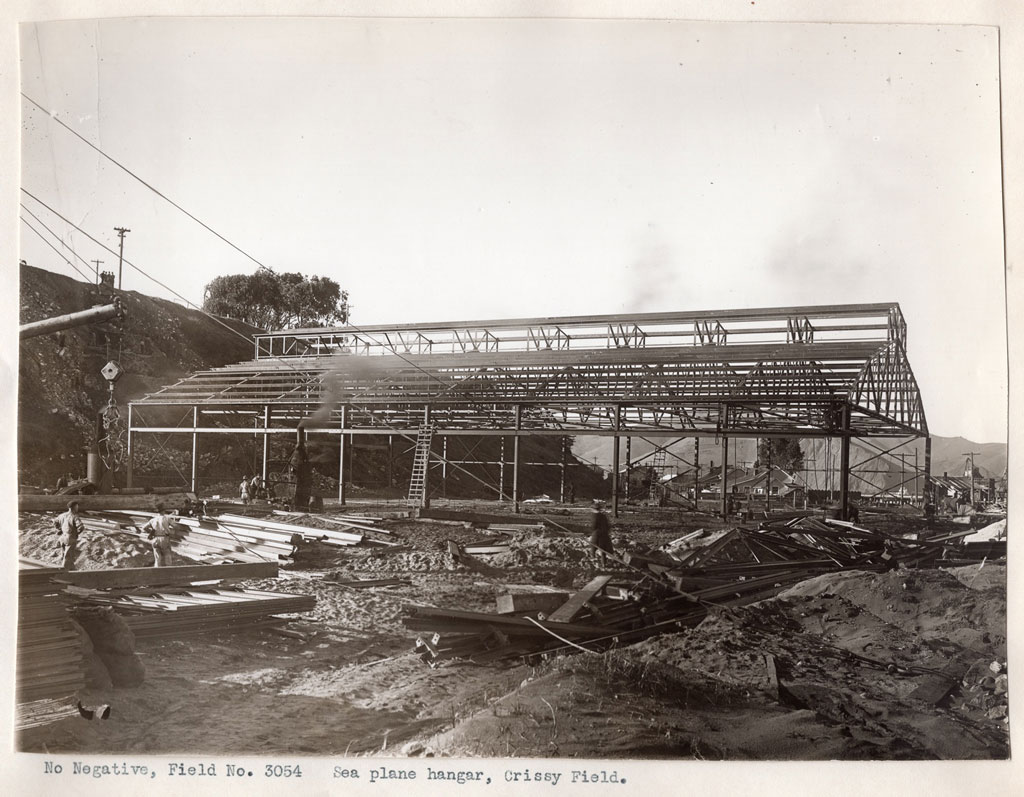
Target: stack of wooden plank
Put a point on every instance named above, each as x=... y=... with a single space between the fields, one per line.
x=179 y=611
x=173 y=601
x=50 y=670
x=236 y=537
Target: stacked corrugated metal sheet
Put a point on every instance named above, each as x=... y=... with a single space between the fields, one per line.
x=50 y=670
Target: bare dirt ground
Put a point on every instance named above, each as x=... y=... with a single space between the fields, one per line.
x=847 y=650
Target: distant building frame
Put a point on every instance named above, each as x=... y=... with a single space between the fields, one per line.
x=838 y=371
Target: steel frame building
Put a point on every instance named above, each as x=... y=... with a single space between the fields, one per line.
x=837 y=371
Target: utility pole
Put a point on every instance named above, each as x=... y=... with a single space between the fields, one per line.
x=120 y=257
x=971 y=455
x=97 y=262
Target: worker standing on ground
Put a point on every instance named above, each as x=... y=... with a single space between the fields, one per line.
x=256 y=487
x=299 y=464
x=159 y=529
x=243 y=489
x=69 y=525
x=602 y=536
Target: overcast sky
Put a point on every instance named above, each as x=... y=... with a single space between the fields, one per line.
x=482 y=169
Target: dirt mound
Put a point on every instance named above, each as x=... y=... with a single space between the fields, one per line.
x=851 y=665
x=96 y=551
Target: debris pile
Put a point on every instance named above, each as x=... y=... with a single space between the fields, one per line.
x=674 y=587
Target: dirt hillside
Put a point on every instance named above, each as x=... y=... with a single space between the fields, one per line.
x=60 y=389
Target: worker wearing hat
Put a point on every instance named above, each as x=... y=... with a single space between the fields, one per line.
x=601 y=538
x=69 y=525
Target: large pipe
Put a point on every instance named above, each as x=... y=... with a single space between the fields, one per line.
x=93 y=315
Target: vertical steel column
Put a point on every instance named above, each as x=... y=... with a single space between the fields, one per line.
x=725 y=462
x=341 y=456
x=615 y=461
x=725 y=469
x=629 y=440
x=266 y=444
x=391 y=460
x=844 y=465
x=561 y=482
x=444 y=466
x=195 y=445
x=696 y=472
x=426 y=465
x=129 y=463
x=515 y=460
x=929 y=499
x=501 y=471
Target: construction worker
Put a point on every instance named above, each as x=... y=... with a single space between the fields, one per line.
x=255 y=487
x=243 y=489
x=69 y=525
x=160 y=531
x=602 y=535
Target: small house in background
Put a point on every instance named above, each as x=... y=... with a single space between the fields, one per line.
x=770 y=483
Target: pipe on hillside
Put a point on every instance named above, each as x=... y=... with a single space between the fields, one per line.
x=93 y=315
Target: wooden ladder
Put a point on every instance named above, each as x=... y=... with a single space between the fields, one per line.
x=420 y=463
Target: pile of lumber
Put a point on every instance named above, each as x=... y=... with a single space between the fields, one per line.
x=178 y=611
x=50 y=670
x=177 y=601
x=237 y=537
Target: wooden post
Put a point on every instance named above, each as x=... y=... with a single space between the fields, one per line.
x=195 y=446
x=341 y=457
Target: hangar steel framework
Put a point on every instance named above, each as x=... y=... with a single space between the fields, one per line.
x=838 y=371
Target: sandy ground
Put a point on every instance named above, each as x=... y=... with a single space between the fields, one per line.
x=848 y=650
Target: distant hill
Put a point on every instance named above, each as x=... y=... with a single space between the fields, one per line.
x=60 y=389
x=947 y=457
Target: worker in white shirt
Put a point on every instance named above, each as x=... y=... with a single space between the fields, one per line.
x=160 y=531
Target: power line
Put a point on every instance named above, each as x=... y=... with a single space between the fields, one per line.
x=141 y=271
x=87 y=142
x=55 y=235
x=205 y=226
x=54 y=248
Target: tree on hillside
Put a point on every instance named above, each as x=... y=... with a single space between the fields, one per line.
x=782 y=452
x=273 y=300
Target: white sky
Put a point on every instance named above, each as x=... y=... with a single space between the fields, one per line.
x=483 y=168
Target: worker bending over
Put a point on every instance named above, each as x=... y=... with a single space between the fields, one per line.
x=160 y=531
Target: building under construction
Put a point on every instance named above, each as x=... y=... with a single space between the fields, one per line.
x=833 y=371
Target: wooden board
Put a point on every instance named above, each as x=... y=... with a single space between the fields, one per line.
x=516 y=602
x=568 y=610
x=154 y=576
